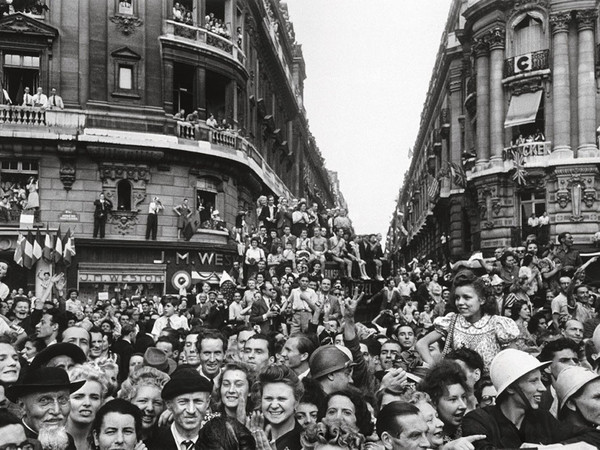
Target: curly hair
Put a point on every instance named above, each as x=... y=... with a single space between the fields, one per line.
x=275 y=373
x=443 y=374
x=364 y=420
x=331 y=432
x=484 y=291
x=216 y=401
x=223 y=433
x=143 y=376
x=89 y=372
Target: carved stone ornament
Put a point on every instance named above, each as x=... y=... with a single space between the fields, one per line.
x=138 y=175
x=123 y=221
x=126 y=24
x=586 y=19
x=560 y=22
x=23 y=25
x=524 y=5
x=67 y=172
x=578 y=186
x=480 y=47
x=496 y=38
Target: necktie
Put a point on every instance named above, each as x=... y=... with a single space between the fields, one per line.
x=170 y=325
x=187 y=445
x=54 y=100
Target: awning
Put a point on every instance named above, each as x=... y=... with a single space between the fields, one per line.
x=523 y=109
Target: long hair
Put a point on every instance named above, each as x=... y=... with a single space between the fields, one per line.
x=484 y=291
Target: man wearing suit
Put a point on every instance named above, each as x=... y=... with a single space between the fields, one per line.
x=103 y=206
x=261 y=313
x=187 y=396
x=55 y=101
x=268 y=215
x=124 y=348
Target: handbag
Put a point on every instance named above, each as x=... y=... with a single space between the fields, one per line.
x=450 y=337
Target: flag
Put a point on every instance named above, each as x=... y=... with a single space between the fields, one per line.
x=48 y=246
x=19 y=250
x=58 y=247
x=69 y=251
x=37 y=247
x=28 y=251
x=433 y=189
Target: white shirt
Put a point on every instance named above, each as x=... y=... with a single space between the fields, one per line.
x=162 y=322
x=179 y=439
x=40 y=100
x=235 y=311
x=154 y=207
x=298 y=304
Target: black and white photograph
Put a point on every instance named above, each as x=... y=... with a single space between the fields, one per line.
x=299 y=224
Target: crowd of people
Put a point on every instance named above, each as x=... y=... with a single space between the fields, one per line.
x=18 y=197
x=478 y=354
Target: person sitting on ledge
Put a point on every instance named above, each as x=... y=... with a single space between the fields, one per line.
x=211 y=121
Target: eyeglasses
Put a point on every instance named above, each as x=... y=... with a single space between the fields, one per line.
x=25 y=445
x=46 y=402
x=338 y=294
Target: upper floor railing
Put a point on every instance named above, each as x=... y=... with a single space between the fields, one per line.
x=206 y=38
x=232 y=140
x=529 y=62
x=39 y=117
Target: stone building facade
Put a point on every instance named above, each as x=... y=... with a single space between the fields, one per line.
x=123 y=69
x=509 y=128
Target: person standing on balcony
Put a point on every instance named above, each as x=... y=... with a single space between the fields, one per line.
x=534 y=224
x=40 y=100
x=27 y=98
x=33 y=199
x=539 y=136
x=5 y=98
x=544 y=233
x=211 y=121
x=154 y=208
x=103 y=206
x=55 y=101
x=184 y=212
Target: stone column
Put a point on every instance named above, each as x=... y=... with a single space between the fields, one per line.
x=561 y=85
x=586 y=79
x=481 y=50
x=497 y=114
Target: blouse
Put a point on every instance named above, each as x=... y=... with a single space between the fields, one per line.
x=487 y=336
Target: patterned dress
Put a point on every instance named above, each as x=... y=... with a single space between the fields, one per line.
x=487 y=336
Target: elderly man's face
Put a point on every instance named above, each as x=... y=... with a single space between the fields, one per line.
x=46 y=409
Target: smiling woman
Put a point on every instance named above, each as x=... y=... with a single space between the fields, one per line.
x=10 y=367
x=117 y=425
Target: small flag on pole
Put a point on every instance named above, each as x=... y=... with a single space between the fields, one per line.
x=28 y=251
x=37 y=247
x=19 y=250
x=58 y=247
x=69 y=251
x=48 y=247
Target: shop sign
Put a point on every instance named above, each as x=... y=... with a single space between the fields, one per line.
x=118 y=277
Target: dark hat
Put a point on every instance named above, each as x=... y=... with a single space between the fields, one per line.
x=54 y=350
x=185 y=381
x=157 y=358
x=328 y=359
x=71 y=291
x=41 y=380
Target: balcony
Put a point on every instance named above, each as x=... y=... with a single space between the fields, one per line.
x=527 y=150
x=529 y=62
x=205 y=39
x=233 y=141
x=29 y=117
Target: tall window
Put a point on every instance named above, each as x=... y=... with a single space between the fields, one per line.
x=125 y=77
x=124 y=195
x=528 y=34
x=531 y=202
x=20 y=71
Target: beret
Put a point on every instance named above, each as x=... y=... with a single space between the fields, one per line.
x=186 y=381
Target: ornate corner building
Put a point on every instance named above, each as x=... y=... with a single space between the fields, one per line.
x=509 y=128
x=124 y=69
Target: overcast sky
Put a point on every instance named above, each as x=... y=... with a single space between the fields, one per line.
x=368 y=65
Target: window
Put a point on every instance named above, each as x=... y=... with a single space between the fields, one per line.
x=16 y=60
x=528 y=33
x=124 y=195
x=531 y=202
x=18 y=187
x=207 y=190
x=125 y=77
x=127 y=83
x=126 y=7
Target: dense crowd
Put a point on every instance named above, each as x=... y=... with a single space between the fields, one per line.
x=481 y=353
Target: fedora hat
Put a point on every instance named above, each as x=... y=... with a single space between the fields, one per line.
x=157 y=358
x=64 y=348
x=42 y=380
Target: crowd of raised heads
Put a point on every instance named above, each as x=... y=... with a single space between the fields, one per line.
x=476 y=354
